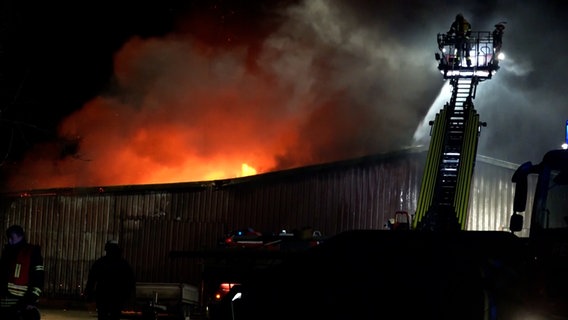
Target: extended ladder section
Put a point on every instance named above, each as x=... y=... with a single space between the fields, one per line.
x=444 y=192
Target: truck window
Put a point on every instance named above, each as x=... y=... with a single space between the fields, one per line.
x=556 y=213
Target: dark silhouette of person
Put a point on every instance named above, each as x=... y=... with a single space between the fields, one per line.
x=21 y=276
x=461 y=30
x=111 y=283
x=498 y=36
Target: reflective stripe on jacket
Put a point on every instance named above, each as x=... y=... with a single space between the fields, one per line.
x=23 y=271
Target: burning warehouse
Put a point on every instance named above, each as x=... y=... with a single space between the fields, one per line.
x=152 y=221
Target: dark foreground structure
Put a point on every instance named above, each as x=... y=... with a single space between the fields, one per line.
x=367 y=274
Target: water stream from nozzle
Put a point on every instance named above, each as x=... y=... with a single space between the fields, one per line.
x=422 y=133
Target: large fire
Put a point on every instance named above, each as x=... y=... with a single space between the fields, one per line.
x=183 y=107
x=187 y=122
x=179 y=115
x=205 y=102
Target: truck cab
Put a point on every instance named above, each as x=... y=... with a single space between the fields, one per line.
x=547 y=242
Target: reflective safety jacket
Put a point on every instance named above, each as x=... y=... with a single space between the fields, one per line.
x=22 y=274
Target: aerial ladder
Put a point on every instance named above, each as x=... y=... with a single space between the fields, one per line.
x=446 y=182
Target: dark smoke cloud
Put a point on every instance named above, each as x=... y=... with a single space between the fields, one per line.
x=313 y=81
x=524 y=105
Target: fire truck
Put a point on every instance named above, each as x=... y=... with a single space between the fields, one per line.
x=435 y=269
x=546 y=280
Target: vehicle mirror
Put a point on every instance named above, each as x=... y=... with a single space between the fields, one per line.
x=516 y=222
x=520 y=178
x=520 y=199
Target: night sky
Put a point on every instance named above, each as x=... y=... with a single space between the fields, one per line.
x=129 y=92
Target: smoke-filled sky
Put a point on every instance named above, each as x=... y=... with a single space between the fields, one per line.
x=101 y=93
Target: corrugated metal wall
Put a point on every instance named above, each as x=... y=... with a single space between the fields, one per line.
x=72 y=225
x=491 y=198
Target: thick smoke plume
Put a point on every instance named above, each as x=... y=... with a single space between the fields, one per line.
x=313 y=82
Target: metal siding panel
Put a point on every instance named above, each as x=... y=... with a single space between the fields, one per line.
x=491 y=198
